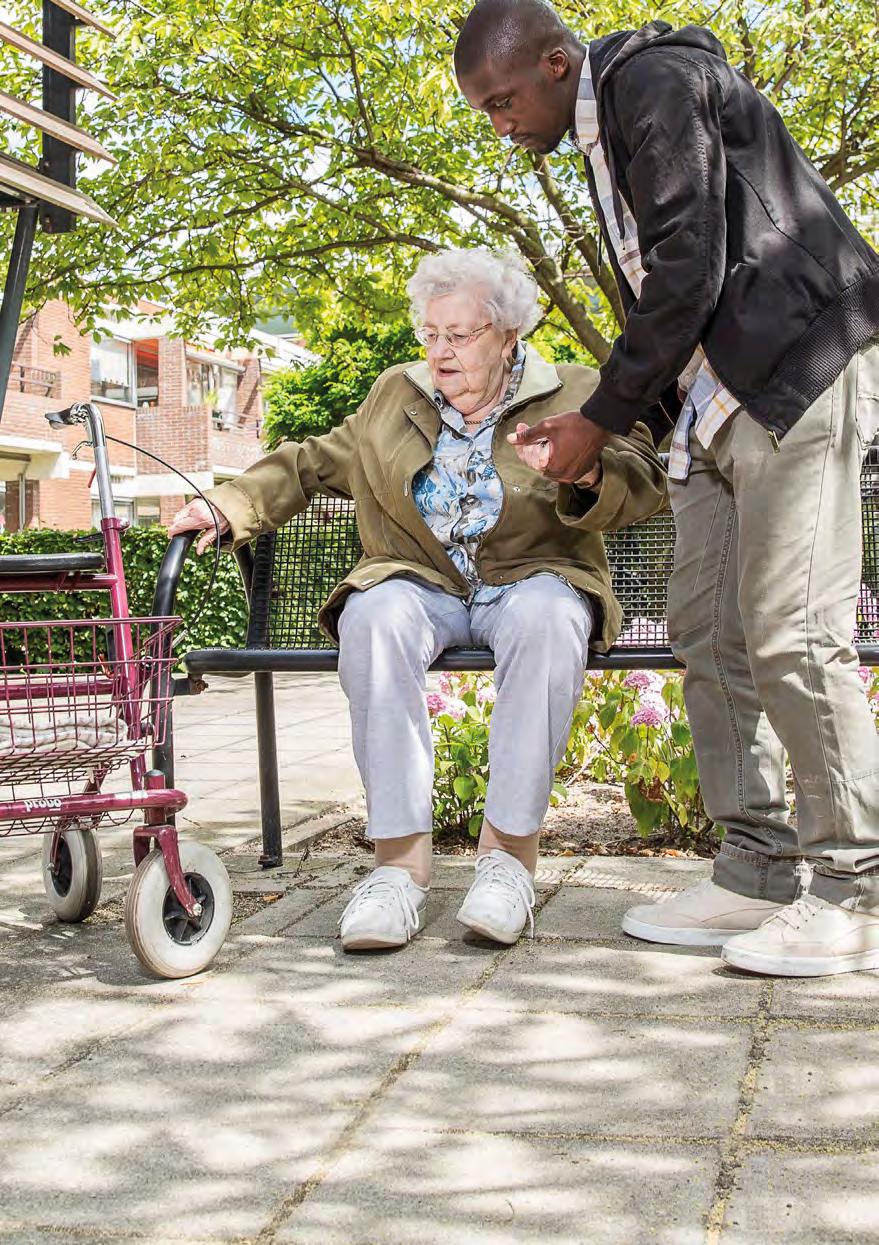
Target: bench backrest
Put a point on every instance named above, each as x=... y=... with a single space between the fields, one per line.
x=296 y=568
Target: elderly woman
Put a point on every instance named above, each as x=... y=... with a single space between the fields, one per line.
x=463 y=545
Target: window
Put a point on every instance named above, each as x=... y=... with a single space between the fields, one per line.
x=147 y=378
x=228 y=397
x=213 y=386
x=111 y=370
x=123 y=509
x=147 y=512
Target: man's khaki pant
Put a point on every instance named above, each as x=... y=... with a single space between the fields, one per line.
x=762 y=607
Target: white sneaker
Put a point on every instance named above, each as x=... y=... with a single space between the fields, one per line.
x=808 y=938
x=501 y=899
x=385 y=910
x=704 y=915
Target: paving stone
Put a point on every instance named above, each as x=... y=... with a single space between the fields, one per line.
x=539 y=1072
x=636 y=978
x=440 y=1189
x=850 y=996
x=671 y=873
x=818 y=1083
x=44 y=1032
x=429 y=972
x=586 y=913
x=805 y=1199
x=207 y=1119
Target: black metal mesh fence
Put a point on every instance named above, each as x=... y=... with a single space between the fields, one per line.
x=868 y=602
x=298 y=566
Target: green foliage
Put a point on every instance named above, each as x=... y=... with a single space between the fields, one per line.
x=632 y=729
x=461 y=714
x=221 y=622
x=628 y=729
x=303 y=156
x=308 y=401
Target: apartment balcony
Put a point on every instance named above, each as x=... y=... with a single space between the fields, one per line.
x=222 y=421
x=36 y=380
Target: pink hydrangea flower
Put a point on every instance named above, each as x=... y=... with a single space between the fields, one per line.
x=445 y=682
x=486 y=694
x=865 y=674
x=651 y=712
x=455 y=708
x=643 y=680
x=436 y=704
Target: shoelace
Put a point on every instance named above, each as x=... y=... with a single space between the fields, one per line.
x=387 y=893
x=795 y=914
x=508 y=880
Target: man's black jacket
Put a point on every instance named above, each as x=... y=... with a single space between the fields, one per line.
x=745 y=248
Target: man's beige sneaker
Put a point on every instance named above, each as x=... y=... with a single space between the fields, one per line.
x=704 y=915
x=808 y=938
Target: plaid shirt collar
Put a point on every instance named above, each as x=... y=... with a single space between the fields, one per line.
x=584 y=132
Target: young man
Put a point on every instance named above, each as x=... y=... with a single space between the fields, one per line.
x=752 y=317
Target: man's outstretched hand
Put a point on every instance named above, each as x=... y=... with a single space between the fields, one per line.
x=563 y=447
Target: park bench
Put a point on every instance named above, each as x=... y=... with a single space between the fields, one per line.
x=288 y=574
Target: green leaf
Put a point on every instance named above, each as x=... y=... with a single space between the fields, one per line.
x=464 y=787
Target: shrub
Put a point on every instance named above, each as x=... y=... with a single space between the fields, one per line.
x=221 y=621
x=461 y=713
x=630 y=729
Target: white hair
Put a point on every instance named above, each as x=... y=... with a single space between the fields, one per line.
x=499 y=278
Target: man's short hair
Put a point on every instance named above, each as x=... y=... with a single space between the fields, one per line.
x=504 y=31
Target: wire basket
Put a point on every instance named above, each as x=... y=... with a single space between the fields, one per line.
x=80 y=698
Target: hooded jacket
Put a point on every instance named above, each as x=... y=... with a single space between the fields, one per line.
x=375 y=453
x=746 y=249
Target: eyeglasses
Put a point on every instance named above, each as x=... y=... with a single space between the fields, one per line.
x=430 y=337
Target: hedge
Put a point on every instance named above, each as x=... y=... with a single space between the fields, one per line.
x=222 y=622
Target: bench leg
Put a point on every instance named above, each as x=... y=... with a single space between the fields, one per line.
x=269 y=790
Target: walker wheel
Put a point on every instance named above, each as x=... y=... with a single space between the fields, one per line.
x=73 y=882
x=167 y=942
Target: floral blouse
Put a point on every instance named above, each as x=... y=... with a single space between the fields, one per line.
x=460 y=493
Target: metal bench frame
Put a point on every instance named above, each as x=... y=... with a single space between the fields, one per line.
x=278 y=578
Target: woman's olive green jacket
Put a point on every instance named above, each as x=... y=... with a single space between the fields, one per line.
x=373 y=456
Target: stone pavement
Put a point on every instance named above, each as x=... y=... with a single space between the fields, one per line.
x=579 y=1089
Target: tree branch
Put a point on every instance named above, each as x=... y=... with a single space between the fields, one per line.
x=584 y=242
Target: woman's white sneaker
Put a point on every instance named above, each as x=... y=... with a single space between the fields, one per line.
x=808 y=938
x=704 y=915
x=501 y=900
x=385 y=910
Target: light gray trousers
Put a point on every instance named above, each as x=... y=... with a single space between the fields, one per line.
x=388 y=636
x=761 y=610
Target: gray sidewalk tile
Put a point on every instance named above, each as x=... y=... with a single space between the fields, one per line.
x=629 y=978
x=848 y=997
x=206 y=1118
x=537 y=1072
x=805 y=1199
x=428 y=973
x=586 y=913
x=396 y=1188
x=817 y=1084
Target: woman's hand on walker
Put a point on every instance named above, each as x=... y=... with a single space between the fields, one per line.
x=199 y=516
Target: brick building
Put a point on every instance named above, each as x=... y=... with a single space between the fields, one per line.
x=198 y=409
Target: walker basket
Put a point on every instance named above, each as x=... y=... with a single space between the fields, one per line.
x=80 y=698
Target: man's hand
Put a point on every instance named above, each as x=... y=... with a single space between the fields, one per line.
x=196 y=516
x=563 y=447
